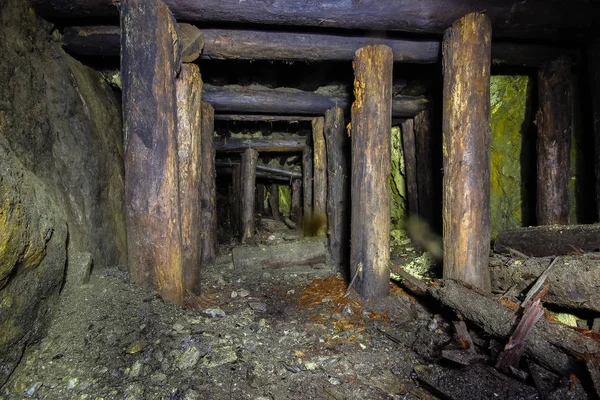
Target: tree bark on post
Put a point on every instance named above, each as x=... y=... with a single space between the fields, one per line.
x=553 y=120
x=319 y=173
x=467 y=130
x=371 y=161
x=593 y=53
x=410 y=166
x=337 y=185
x=249 y=160
x=208 y=190
x=296 y=212
x=274 y=201
x=307 y=181
x=424 y=163
x=149 y=65
x=236 y=183
x=189 y=108
x=260 y=198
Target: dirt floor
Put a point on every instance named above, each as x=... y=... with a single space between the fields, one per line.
x=254 y=334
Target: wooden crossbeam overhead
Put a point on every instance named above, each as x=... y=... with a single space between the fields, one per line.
x=539 y=19
x=241 y=99
x=296 y=46
x=235 y=145
x=262 y=118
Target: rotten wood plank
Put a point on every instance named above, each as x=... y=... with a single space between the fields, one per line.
x=208 y=190
x=148 y=69
x=553 y=120
x=549 y=240
x=467 y=131
x=371 y=160
x=189 y=139
x=274 y=201
x=307 y=182
x=319 y=172
x=338 y=219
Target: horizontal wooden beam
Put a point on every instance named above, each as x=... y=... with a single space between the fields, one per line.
x=539 y=19
x=295 y=46
x=236 y=145
x=244 y=99
x=262 y=118
x=289 y=173
x=260 y=175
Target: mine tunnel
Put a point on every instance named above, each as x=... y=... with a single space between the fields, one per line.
x=290 y=199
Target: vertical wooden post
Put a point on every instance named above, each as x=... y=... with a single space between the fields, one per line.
x=189 y=109
x=236 y=183
x=424 y=163
x=593 y=53
x=249 y=160
x=208 y=190
x=410 y=166
x=553 y=120
x=467 y=130
x=296 y=213
x=307 y=181
x=319 y=174
x=149 y=65
x=371 y=162
x=337 y=185
x=274 y=201
x=260 y=198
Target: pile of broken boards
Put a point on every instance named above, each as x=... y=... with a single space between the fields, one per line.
x=508 y=345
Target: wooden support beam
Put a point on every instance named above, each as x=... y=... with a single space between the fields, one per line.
x=189 y=108
x=283 y=172
x=296 y=212
x=241 y=99
x=532 y=19
x=410 y=165
x=236 y=186
x=260 y=198
x=307 y=182
x=593 y=55
x=103 y=40
x=265 y=177
x=371 y=160
x=319 y=173
x=262 y=118
x=337 y=186
x=208 y=190
x=249 y=160
x=467 y=131
x=553 y=120
x=149 y=67
x=274 y=201
x=424 y=163
x=234 y=145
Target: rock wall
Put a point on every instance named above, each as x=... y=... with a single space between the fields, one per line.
x=61 y=174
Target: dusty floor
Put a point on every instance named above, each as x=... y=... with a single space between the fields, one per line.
x=256 y=334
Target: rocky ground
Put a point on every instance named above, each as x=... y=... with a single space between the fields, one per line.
x=288 y=333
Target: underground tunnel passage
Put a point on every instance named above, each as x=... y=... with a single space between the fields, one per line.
x=292 y=200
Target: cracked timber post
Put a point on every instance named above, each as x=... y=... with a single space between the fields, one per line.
x=371 y=163
x=466 y=52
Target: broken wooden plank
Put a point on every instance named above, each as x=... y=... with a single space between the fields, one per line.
x=574 y=279
x=542 y=241
x=304 y=252
x=552 y=344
